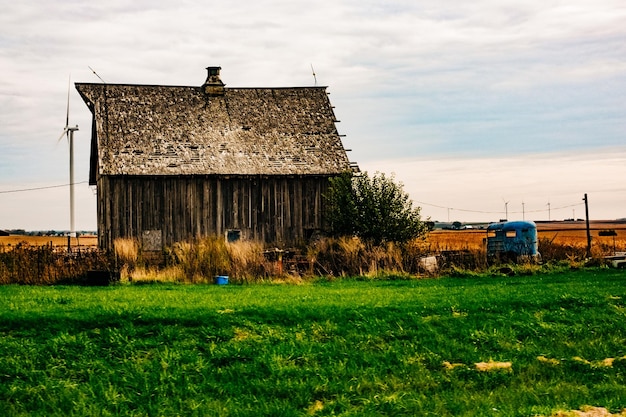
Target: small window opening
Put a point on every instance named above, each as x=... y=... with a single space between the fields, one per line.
x=233 y=235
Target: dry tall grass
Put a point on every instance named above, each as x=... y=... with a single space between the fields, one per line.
x=30 y=265
x=351 y=256
x=247 y=261
x=126 y=250
x=200 y=260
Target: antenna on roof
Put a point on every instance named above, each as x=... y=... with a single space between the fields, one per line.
x=96 y=74
x=314 y=77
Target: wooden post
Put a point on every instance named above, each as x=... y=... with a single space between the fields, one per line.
x=586 y=200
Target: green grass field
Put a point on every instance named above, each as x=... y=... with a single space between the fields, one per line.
x=347 y=347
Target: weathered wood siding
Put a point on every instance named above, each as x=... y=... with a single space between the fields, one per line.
x=276 y=210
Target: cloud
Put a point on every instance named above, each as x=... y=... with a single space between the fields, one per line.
x=482 y=79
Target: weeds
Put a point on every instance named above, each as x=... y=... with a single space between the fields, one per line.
x=24 y=264
x=126 y=251
x=200 y=260
x=351 y=256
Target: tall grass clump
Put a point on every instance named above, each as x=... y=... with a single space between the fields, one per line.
x=574 y=254
x=352 y=256
x=247 y=261
x=126 y=251
x=201 y=259
x=552 y=251
x=412 y=252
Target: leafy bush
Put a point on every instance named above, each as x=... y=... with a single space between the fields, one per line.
x=373 y=208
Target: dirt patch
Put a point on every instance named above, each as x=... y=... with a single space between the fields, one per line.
x=548 y=361
x=588 y=411
x=450 y=366
x=493 y=366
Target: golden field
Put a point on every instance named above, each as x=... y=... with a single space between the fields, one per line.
x=88 y=241
x=560 y=233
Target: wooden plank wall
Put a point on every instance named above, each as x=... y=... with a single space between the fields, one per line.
x=275 y=210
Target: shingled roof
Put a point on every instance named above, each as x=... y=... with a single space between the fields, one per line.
x=173 y=130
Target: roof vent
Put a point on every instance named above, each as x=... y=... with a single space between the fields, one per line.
x=213 y=86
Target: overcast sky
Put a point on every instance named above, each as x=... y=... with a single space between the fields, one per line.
x=478 y=107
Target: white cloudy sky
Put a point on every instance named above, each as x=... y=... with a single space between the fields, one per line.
x=470 y=104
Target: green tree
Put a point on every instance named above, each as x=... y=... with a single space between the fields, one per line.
x=374 y=208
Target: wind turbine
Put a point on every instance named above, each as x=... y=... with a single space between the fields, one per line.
x=69 y=133
x=506 y=209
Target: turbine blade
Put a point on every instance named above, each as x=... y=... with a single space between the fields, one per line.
x=67 y=113
x=96 y=74
x=65 y=132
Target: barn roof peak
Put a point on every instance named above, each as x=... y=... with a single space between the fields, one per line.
x=213 y=86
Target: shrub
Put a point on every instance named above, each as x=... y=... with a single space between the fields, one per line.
x=374 y=208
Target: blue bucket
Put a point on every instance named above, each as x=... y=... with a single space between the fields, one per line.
x=221 y=280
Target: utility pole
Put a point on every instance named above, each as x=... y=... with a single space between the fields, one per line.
x=586 y=200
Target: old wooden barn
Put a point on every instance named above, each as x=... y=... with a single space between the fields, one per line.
x=171 y=163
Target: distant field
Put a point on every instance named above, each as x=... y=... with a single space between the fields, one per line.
x=56 y=241
x=561 y=233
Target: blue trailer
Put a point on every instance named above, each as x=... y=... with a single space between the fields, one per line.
x=512 y=241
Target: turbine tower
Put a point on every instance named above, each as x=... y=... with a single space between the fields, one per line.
x=69 y=133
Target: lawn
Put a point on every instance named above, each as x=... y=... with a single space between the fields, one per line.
x=464 y=346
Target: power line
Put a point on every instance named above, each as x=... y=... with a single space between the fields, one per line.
x=40 y=188
x=495 y=212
